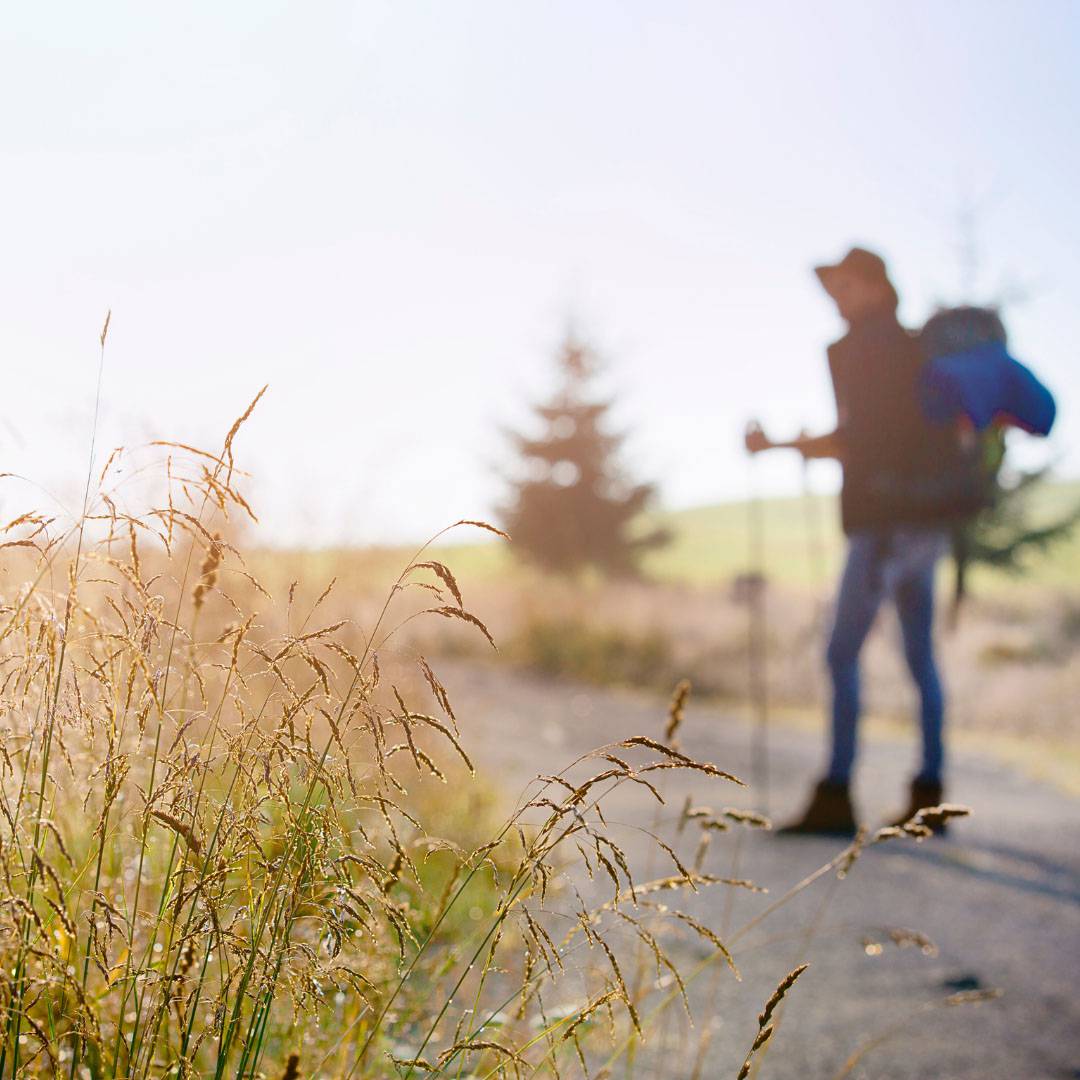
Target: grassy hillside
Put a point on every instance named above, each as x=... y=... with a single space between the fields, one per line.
x=802 y=544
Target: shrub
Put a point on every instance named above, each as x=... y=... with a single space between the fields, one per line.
x=578 y=649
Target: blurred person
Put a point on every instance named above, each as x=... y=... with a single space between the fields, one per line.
x=906 y=480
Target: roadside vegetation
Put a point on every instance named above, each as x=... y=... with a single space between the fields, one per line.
x=243 y=836
x=1012 y=658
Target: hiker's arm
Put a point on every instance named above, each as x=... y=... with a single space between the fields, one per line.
x=829 y=445
x=810 y=446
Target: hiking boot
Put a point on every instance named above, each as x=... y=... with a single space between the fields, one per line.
x=829 y=813
x=923 y=795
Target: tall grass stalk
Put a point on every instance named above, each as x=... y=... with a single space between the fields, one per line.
x=232 y=845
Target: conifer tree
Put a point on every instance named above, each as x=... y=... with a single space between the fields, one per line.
x=573 y=505
x=1007 y=530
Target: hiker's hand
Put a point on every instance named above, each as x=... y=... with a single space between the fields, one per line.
x=755 y=438
x=813 y=447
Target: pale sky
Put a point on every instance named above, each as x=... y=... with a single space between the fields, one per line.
x=387 y=211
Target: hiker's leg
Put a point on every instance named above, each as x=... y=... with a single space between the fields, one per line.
x=856 y=605
x=915 y=603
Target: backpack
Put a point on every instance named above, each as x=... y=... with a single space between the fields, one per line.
x=969 y=373
x=970 y=381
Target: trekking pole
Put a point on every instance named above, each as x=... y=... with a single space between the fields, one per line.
x=756 y=629
x=815 y=561
x=815 y=543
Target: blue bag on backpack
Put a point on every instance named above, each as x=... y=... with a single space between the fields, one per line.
x=969 y=372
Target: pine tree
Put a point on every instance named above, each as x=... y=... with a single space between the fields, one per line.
x=1006 y=532
x=573 y=505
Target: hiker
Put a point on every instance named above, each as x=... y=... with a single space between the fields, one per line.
x=906 y=479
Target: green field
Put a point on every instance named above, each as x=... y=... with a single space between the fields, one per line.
x=802 y=544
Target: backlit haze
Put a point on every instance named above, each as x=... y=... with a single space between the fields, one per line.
x=390 y=211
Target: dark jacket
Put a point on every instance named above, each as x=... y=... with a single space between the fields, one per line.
x=899 y=468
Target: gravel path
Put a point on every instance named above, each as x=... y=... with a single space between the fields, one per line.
x=1000 y=898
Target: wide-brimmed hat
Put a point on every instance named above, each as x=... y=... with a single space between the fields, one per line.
x=858 y=262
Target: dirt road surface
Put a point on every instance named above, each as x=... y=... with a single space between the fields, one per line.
x=999 y=898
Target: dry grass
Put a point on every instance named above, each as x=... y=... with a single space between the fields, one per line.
x=1011 y=666
x=233 y=845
